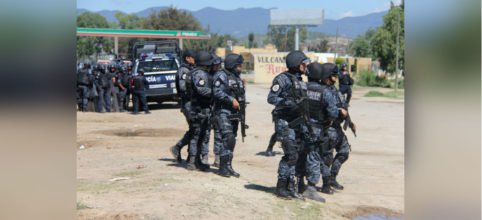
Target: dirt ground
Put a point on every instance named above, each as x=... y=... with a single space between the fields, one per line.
x=125 y=169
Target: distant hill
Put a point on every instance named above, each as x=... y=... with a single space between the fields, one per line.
x=240 y=22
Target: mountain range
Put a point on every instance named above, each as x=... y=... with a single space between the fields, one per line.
x=240 y=22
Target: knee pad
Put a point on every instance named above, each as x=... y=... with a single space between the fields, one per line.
x=292 y=159
x=342 y=157
x=328 y=159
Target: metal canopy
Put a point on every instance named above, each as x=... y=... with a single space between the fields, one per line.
x=106 y=32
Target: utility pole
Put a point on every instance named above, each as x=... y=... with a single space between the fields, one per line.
x=297 y=37
x=398 y=42
x=336 y=45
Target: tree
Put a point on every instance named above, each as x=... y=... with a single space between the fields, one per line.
x=129 y=21
x=171 y=19
x=322 y=46
x=91 y=20
x=360 y=47
x=384 y=40
x=250 y=39
x=87 y=46
x=283 y=37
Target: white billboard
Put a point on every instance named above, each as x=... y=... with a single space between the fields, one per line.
x=302 y=17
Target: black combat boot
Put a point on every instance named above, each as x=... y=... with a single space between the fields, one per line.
x=191 y=165
x=301 y=184
x=223 y=166
x=326 y=187
x=293 y=188
x=230 y=167
x=216 y=161
x=176 y=154
x=311 y=193
x=281 y=189
x=200 y=165
x=269 y=152
x=335 y=184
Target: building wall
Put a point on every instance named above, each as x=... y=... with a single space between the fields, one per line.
x=268 y=65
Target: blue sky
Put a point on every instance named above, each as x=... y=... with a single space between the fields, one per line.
x=334 y=9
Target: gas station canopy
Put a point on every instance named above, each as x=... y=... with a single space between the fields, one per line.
x=106 y=32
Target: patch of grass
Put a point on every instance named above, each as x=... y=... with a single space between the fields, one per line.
x=391 y=94
x=374 y=94
x=82 y=206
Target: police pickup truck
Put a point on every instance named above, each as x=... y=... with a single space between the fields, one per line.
x=160 y=62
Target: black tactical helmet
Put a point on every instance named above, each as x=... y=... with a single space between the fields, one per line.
x=295 y=58
x=344 y=65
x=101 y=68
x=328 y=69
x=204 y=58
x=315 y=70
x=216 y=60
x=188 y=53
x=232 y=60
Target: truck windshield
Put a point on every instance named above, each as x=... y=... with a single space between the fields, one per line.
x=157 y=65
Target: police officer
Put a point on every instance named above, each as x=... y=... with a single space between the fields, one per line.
x=345 y=82
x=218 y=139
x=186 y=67
x=139 y=88
x=123 y=83
x=98 y=100
x=286 y=88
x=322 y=108
x=114 y=72
x=201 y=103
x=84 y=84
x=228 y=93
x=128 y=97
x=335 y=137
x=106 y=82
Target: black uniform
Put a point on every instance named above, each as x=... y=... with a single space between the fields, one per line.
x=228 y=86
x=184 y=73
x=345 y=82
x=201 y=104
x=84 y=85
x=139 y=87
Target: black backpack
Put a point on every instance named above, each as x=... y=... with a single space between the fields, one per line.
x=104 y=80
x=138 y=83
x=189 y=83
x=82 y=78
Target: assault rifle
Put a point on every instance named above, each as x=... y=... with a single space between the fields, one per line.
x=241 y=117
x=348 y=122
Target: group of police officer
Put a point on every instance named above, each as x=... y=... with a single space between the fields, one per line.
x=211 y=98
x=108 y=88
x=308 y=118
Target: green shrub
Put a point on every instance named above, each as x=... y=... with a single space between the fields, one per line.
x=339 y=61
x=368 y=78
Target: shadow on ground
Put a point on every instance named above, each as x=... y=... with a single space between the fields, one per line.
x=263 y=153
x=254 y=186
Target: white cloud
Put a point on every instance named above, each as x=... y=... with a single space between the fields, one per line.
x=346 y=14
